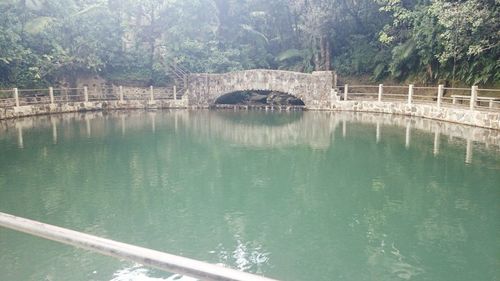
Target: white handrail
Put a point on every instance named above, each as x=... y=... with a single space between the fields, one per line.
x=160 y=260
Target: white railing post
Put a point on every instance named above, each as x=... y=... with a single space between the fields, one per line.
x=380 y=92
x=121 y=93
x=440 y=95
x=151 y=93
x=473 y=97
x=346 y=91
x=16 y=96
x=175 y=92
x=85 y=94
x=410 y=94
x=51 y=95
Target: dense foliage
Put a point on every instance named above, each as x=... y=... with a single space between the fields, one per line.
x=44 y=41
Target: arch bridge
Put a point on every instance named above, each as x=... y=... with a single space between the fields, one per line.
x=315 y=89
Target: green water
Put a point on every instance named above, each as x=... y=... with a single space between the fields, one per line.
x=293 y=196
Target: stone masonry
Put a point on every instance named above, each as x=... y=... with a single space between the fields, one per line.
x=66 y=107
x=313 y=89
x=450 y=113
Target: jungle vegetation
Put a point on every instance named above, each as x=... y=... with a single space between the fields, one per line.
x=429 y=41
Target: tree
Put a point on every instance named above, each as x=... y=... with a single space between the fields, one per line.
x=49 y=41
x=450 y=40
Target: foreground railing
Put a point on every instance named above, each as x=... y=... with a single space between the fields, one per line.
x=473 y=97
x=21 y=97
x=160 y=260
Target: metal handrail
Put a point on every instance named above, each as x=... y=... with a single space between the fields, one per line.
x=163 y=261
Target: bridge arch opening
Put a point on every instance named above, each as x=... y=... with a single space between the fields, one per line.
x=259 y=97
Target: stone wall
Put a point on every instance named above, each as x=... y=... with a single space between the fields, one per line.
x=137 y=93
x=42 y=109
x=480 y=118
x=313 y=89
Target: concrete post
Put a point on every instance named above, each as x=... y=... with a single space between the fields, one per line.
x=16 y=96
x=380 y=92
x=440 y=95
x=175 y=92
x=473 y=97
x=410 y=94
x=121 y=93
x=346 y=91
x=151 y=93
x=85 y=94
x=51 y=95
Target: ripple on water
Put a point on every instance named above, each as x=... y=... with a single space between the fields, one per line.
x=138 y=272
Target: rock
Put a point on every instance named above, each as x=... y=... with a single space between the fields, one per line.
x=275 y=98
x=257 y=98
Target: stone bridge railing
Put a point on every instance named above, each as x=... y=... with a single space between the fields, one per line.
x=313 y=89
x=28 y=102
x=470 y=106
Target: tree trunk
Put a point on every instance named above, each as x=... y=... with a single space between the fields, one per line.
x=322 y=53
x=317 y=54
x=152 y=50
x=328 y=55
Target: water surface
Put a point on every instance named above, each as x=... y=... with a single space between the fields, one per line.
x=293 y=196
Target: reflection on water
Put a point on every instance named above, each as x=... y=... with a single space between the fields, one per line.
x=264 y=129
x=294 y=196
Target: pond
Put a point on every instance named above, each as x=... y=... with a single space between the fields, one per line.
x=292 y=196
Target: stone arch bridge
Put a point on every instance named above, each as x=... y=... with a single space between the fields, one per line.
x=315 y=89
